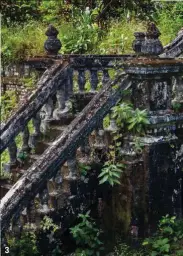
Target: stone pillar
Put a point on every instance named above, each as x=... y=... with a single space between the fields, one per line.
x=152 y=90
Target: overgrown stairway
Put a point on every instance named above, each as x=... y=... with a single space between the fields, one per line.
x=49 y=181
x=39 y=175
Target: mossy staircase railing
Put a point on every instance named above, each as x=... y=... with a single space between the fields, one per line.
x=34 y=184
x=41 y=179
x=174 y=48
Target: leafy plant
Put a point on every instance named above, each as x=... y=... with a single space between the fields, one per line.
x=177 y=107
x=84 y=169
x=165 y=241
x=111 y=173
x=25 y=245
x=87 y=235
x=122 y=249
x=138 y=121
x=83 y=36
x=130 y=119
x=47 y=225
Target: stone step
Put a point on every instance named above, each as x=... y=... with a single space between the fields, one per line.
x=65 y=120
x=41 y=147
x=53 y=132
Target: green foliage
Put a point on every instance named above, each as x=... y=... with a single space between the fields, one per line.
x=22 y=41
x=177 y=107
x=130 y=119
x=87 y=235
x=8 y=102
x=50 y=10
x=123 y=249
x=167 y=239
x=47 y=225
x=119 y=38
x=111 y=173
x=79 y=31
x=30 y=82
x=82 y=36
x=18 y=11
x=84 y=169
x=25 y=245
x=169 y=18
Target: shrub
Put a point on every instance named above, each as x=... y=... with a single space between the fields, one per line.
x=87 y=235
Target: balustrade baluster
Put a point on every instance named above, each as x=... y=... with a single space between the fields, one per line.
x=16 y=226
x=52 y=190
x=93 y=80
x=61 y=99
x=85 y=147
x=46 y=114
x=58 y=179
x=69 y=91
x=48 y=109
x=72 y=166
x=32 y=214
x=44 y=209
x=178 y=90
x=105 y=77
x=81 y=79
x=25 y=138
x=36 y=120
x=24 y=216
x=12 y=149
x=112 y=126
x=99 y=137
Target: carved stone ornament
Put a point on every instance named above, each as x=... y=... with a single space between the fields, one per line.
x=52 y=45
x=137 y=43
x=152 y=45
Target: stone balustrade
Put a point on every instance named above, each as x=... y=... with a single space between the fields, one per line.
x=150 y=79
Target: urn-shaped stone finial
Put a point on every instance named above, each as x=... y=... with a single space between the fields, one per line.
x=152 y=45
x=52 y=45
x=139 y=40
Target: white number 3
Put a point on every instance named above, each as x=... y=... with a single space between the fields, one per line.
x=7 y=250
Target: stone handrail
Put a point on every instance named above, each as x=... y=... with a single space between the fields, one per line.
x=65 y=146
x=78 y=66
x=48 y=85
x=174 y=48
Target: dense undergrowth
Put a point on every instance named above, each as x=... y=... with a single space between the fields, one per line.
x=81 y=33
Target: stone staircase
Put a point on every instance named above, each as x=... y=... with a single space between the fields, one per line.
x=64 y=191
x=50 y=181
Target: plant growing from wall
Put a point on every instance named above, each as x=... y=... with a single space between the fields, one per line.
x=111 y=173
x=112 y=169
x=86 y=235
x=129 y=119
x=84 y=169
x=168 y=238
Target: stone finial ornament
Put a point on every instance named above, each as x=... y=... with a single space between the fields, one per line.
x=152 y=45
x=139 y=40
x=52 y=45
